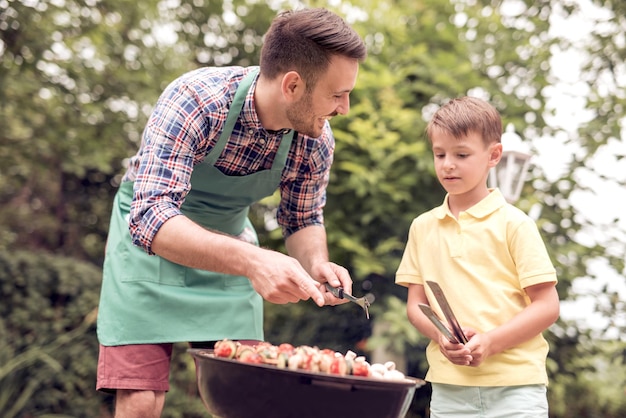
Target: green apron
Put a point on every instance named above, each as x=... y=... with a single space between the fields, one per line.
x=147 y=299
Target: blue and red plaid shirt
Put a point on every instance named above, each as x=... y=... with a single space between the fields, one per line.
x=185 y=125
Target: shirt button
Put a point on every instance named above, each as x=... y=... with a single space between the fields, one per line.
x=262 y=141
x=250 y=131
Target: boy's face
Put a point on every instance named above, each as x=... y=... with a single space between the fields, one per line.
x=462 y=164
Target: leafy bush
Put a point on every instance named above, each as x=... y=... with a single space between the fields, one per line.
x=48 y=343
x=48 y=347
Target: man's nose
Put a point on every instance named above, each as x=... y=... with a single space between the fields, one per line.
x=344 y=105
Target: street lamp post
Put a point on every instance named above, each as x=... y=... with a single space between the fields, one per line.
x=511 y=172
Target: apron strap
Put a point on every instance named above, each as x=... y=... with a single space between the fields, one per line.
x=233 y=114
x=231 y=120
x=283 y=151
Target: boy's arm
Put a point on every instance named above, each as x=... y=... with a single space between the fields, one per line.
x=417 y=318
x=542 y=312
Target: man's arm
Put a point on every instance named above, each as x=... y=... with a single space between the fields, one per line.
x=277 y=277
x=309 y=246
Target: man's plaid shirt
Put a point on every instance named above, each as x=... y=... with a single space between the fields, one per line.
x=185 y=125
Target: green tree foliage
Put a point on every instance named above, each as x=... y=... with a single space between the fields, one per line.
x=48 y=350
x=75 y=81
x=78 y=80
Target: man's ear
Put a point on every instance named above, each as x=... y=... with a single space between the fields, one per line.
x=293 y=86
x=495 y=154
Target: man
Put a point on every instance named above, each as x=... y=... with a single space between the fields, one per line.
x=220 y=139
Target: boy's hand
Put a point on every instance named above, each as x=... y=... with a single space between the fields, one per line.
x=479 y=345
x=458 y=354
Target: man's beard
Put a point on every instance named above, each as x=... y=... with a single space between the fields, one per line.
x=301 y=119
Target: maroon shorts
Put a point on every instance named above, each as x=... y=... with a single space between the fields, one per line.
x=139 y=366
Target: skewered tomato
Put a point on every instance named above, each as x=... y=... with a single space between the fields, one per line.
x=225 y=348
x=306 y=358
x=361 y=368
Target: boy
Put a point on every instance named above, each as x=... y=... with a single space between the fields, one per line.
x=493 y=267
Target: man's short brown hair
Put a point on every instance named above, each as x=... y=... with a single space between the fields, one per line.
x=305 y=40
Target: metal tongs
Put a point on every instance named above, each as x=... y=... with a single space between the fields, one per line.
x=339 y=293
x=455 y=335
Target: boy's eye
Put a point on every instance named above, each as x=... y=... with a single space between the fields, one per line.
x=463 y=155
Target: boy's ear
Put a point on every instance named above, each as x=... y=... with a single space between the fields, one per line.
x=495 y=154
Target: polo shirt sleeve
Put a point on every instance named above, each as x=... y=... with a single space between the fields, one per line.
x=530 y=255
x=409 y=270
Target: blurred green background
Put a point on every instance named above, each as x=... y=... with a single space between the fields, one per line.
x=78 y=80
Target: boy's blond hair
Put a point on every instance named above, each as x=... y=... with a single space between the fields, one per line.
x=463 y=115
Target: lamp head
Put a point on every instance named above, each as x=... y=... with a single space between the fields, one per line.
x=511 y=172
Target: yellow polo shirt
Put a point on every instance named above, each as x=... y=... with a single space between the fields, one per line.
x=483 y=261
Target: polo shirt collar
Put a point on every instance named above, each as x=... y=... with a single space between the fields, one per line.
x=494 y=201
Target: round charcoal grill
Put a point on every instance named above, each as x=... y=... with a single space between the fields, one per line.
x=232 y=389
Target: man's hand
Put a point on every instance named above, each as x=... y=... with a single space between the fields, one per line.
x=281 y=279
x=308 y=245
x=336 y=276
